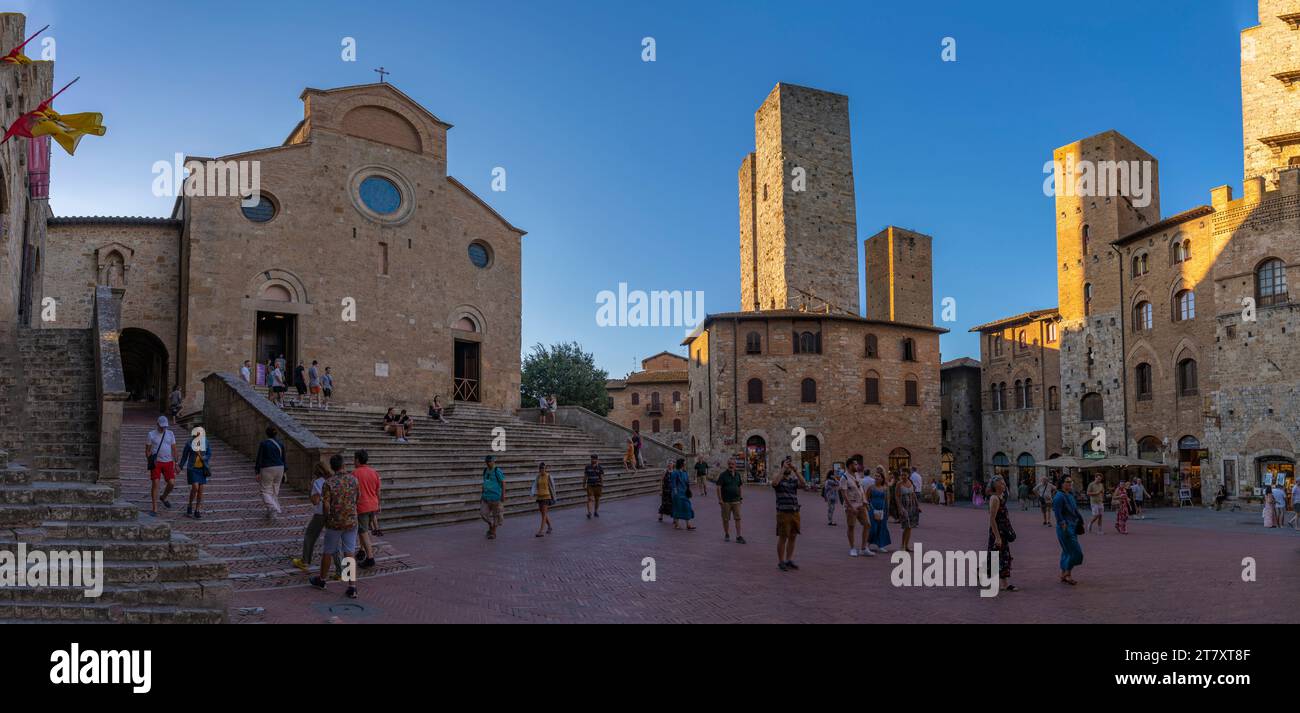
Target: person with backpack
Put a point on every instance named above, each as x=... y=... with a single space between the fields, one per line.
x=269 y=469
x=160 y=455
x=196 y=461
x=494 y=496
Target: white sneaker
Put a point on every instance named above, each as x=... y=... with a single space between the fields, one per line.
x=853 y=552
x=869 y=553
x=884 y=549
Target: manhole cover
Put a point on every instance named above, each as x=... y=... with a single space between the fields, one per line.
x=345 y=609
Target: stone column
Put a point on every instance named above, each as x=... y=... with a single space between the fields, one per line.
x=110 y=384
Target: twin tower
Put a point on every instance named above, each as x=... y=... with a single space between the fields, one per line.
x=798 y=223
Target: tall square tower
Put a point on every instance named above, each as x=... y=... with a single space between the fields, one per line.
x=900 y=277
x=798 y=223
x=1270 y=91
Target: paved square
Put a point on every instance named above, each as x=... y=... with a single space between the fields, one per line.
x=1177 y=566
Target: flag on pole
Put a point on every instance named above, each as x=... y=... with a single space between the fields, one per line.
x=16 y=55
x=65 y=129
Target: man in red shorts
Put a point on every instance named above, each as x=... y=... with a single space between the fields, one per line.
x=160 y=453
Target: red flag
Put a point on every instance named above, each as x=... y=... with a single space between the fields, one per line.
x=16 y=55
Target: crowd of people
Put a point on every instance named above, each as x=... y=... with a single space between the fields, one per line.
x=313 y=387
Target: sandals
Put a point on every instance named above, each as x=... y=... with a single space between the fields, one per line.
x=1068 y=580
x=1011 y=588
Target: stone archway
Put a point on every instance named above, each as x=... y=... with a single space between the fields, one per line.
x=145 y=367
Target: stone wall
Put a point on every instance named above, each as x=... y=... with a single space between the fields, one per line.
x=899 y=283
x=1269 y=106
x=961 y=411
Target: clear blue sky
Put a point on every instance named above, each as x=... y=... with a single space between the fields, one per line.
x=625 y=171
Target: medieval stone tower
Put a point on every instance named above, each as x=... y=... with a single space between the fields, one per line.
x=1107 y=187
x=798 y=227
x=1270 y=91
x=900 y=277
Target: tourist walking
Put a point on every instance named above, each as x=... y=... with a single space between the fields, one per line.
x=702 y=475
x=1069 y=525
x=1119 y=499
x=629 y=455
x=160 y=456
x=1044 y=491
x=436 y=410
x=269 y=469
x=1097 y=501
x=1279 y=500
x=1001 y=534
x=855 y=513
x=313 y=385
x=1139 y=492
x=300 y=384
x=246 y=372
x=831 y=493
x=327 y=387
x=1022 y=494
x=907 y=501
x=666 y=492
x=594 y=482
x=877 y=497
x=681 y=486
x=368 y=487
x=1220 y=497
x=278 y=387
x=1295 y=504
x=729 y=484
x=1270 y=510
x=636 y=445
x=493 y=500
x=197 y=465
x=339 y=501
x=317 y=523
x=177 y=398
x=977 y=493
x=787 y=484
x=544 y=493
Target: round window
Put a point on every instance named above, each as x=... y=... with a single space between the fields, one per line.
x=478 y=254
x=263 y=212
x=380 y=195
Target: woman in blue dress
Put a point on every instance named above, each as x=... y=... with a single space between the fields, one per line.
x=681 y=489
x=1068 y=524
x=197 y=467
x=878 y=496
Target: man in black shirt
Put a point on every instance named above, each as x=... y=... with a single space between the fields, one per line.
x=594 y=480
x=729 y=498
x=702 y=475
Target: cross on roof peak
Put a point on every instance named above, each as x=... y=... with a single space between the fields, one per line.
x=382 y=72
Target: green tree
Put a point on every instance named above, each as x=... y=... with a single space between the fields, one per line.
x=568 y=372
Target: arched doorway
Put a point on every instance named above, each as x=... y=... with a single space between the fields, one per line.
x=1190 y=455
x=1024 y=472
x=900 y=461
x=144 y=367
x=1153 y=479
x=1275 y=470
x=756 y=457
x=810 y=460
x=1001 y=465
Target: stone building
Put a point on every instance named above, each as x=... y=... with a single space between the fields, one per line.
x=654 y=401
x=961 y=426
x=1020 y=361
x=358 y=250
x=799 y=371
x=1177 y=334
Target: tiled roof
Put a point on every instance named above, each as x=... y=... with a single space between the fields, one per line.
x=1007 y=321
x=960 y=362
x=665 y=376
x=1171 y=221
x=615 y=383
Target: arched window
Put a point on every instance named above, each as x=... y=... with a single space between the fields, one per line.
x=1029 y=393
x=1091 y=408
x=909 y=349
x=654 y=399
x=808 y=391
x=1002 y=395
x=995 y=344
x=1184 y=306
x=807 y=343
x=753 y=343
x=1142 y=316
x=1270 y=283
x=1187 y=377
x=900 y=460
x=1020 y=394
x=1001 y=465
x=1151 y=449
x=873 y=388
x=1143 y=374
x=1025 y=469
x=872 y=350
x=994 y=404
x=1053 y=399
x=1087 y=298
x=677 y=425
x=636 y=399
x=911 y=392
x=1084 y=242
x=636 y=425
x=754 y=391
x=1051 y=332
x=677 y=396
x=1187 y=250
x=1021 y=339
x=1140 y=265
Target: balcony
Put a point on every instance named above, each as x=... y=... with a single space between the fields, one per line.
x=654 y=408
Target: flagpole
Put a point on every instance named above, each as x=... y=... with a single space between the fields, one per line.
x=45 y=104
x=29 y=39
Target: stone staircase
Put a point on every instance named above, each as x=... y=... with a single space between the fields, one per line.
x=234 y=527
x=51 y=502
x=436 y=479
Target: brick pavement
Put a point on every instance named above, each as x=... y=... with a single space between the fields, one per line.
x=1175 y=567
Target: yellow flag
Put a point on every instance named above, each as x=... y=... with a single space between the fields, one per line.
x=68 y=129
x=18 y=58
